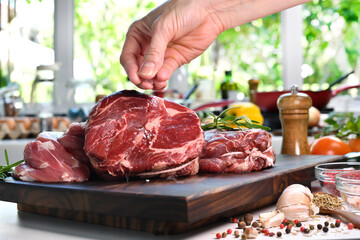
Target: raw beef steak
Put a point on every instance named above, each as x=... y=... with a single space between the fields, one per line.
x=73 y=141
x=46 y=160
x=133 y=134
x=236 y=151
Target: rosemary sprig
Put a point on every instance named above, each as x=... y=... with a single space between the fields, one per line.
x=222 y=123
x=5 y=170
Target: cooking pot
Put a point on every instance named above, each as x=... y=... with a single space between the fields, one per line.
x=267 y=101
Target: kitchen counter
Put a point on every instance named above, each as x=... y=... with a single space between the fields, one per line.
x=16 y=225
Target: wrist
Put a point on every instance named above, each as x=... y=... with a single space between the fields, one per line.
x=232 y=13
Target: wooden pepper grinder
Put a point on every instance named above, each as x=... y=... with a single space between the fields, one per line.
x=253 y=86
x=294 y=117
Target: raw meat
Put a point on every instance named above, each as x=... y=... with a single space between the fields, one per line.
x=236 y=151
x=133 y=134
x=46 y=160
x=73 y=141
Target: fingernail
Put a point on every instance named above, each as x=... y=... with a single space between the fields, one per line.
x=147 y=68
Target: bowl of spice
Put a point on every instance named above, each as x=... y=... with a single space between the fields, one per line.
x=326 y=173
x=348 y=184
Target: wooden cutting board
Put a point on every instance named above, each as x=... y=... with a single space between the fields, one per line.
x=163 y=206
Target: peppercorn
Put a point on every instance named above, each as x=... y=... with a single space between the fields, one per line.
x=234 y=220
x=337 y=224
x=306 y=230
x=241 y=225
x=224 y=234
x=255 y=224
x=298 y=224
x=302 y=229
x=312 y=227
x=325 y=229
x=229 y=231
x=278 y=234
x=338 y=220
x=332 y=225
x=326 y=223
x=319 y=226
x=236 y=233
x=243 y=237
x=271 y=234
x=218 y=235
x=248 y=217
x=288 y=230
x=282 y=226
x=350 y=226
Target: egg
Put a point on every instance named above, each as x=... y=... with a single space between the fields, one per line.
x=10 y=122
x=314 y=117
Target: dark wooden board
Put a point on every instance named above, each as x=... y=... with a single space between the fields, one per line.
x=163 y=205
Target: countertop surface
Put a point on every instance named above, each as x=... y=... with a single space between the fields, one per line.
x=15 y=225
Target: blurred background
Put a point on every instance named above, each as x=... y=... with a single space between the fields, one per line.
x=57 y=56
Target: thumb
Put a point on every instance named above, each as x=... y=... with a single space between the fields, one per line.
x=154 y=55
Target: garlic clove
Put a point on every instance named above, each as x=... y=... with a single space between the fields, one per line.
x=296 y=203
x=296 y=212
x=271 y=219
x=251 y=233
x=313 y=209
x=294 y=194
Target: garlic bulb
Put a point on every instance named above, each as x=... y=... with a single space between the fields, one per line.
x=296 y=203
x=271 y=219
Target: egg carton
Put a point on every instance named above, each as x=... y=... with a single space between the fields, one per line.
x=28 y=127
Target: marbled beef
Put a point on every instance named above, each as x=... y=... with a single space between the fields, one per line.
x=236 y=151
x=133 y=134
x=46 y=160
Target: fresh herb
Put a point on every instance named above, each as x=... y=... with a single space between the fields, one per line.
x=343 y=125
x=5 y=170
x=224 y=123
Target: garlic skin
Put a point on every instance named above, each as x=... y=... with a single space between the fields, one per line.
x=296 y=203
x=251 y=233
x=271 y=219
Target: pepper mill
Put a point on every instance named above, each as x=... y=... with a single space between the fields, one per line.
x=294 y=116
x=253 y=86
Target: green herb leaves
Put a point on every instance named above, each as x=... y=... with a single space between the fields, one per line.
x=341 y=124
x=225 y=123
x=5 y=170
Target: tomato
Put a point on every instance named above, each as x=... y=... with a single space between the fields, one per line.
x=354 y=144
x=329 y=145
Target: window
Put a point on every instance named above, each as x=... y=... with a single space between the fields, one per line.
x=331 y=41
x=28 y=41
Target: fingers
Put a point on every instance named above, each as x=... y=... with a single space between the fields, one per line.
x=128 y=59
x=154 y=55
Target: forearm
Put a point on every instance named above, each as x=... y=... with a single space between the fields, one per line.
x=233 y=13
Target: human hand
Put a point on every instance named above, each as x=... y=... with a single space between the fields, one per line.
x=180 y=30
x=168 y=37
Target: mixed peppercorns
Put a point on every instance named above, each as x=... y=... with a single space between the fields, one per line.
x=251 y=227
